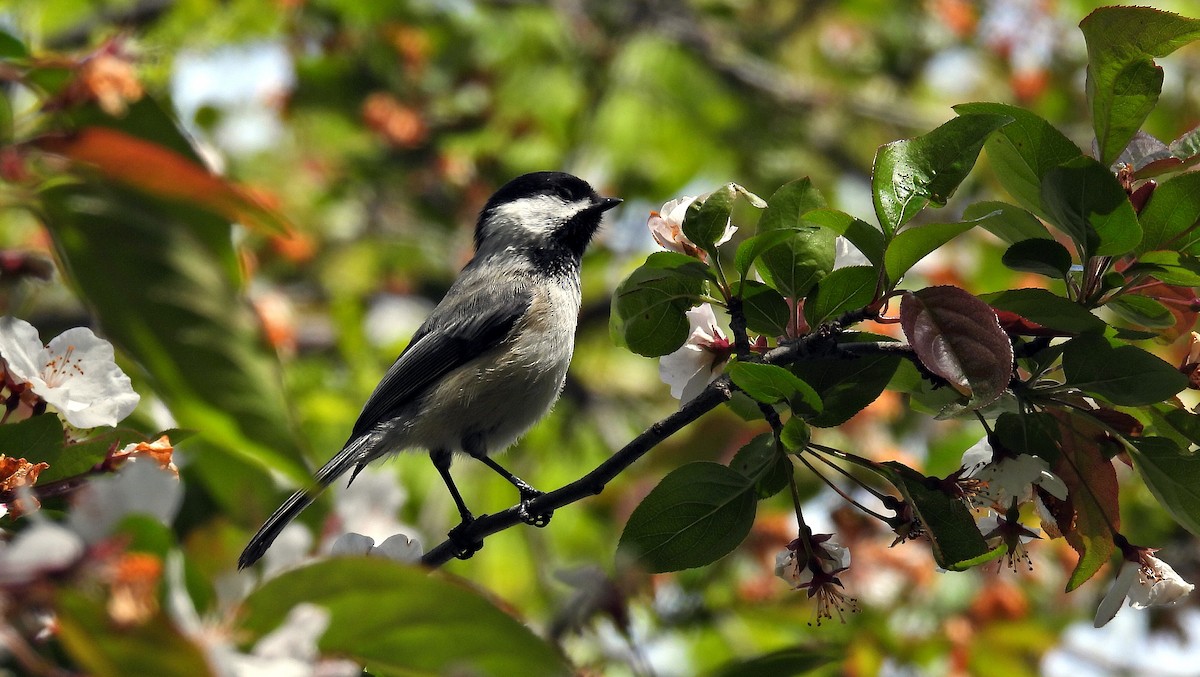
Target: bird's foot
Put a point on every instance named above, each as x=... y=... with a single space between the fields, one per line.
x=527 y=516
x=464 y=546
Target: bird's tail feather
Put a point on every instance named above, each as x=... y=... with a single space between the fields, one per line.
x=350 y=455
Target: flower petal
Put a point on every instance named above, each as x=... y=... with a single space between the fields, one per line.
x=20 y=346
x=698 y=382
x=1115 y=597
x=139 y=487
x=83 y=382
x=44 y=547
x=296 y=638
x=680 y=367
x=977 y=456
x=1164 y=588
x=400 y=548
x=1053 y=485
x=352 y=544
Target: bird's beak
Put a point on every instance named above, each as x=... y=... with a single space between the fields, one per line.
x=607 y=203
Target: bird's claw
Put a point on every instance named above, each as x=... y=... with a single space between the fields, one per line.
x=464 y=547
x=527 y=516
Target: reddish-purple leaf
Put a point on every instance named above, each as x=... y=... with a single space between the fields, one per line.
x=958 y=337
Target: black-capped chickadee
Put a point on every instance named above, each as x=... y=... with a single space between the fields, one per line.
x=491 y=358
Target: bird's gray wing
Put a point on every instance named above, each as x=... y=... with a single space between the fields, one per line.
x=454 y=334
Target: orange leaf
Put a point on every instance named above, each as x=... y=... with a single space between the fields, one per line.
x=1092 y=509
x=154 y=169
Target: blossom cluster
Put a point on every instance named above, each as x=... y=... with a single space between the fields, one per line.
x=997 y=485
x=75 y=376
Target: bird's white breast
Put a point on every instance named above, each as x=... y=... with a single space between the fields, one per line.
x=502 y=393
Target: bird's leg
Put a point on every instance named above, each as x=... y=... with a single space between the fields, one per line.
x=465 y=548
x=474 y=446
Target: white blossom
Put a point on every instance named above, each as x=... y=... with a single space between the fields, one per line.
x=75 y=373
x=366 y=514
x=45 y=547
x=289 y=650
x=352 y=544
x=398 y=547
x=699 y=360
x=666 y=227
x=812 y=563
x=141 y=486
x=830 y=556
x=1010 y=477
x=1005 y=529
x=1145 y=582
x=1193 y=356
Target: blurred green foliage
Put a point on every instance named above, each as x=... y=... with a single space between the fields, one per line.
x=380 y=137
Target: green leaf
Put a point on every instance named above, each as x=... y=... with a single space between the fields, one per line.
x=1122 y=374
x=1171 y=267
x=698 y=514
x=914 y=244
x=1187 y=146
x=1047 y=309
x=1142 y=311
x=799 y=262
x=766 y=310
x=78 y=457
x=1030 y=433
x=401 y=620
x=1044 y=257
x=958 y=337
x=1172 y=475
x=867 y=238
x=140 y=532
x=6 y=119
x=796 y=434
x=789 y=204
x=752 y=248
x=11 y=46
x=770 y=384
x=101 y=647
x=846 y=385
x=1085 y=200
x=705 y=222
x=1123 y=82
x=649 y=307
x=1169 y=218
x=843 y=290
x=953 y=536
x=762 y=463
x=909 y=174
x=1184 y=422
x=37 y=439
x=798 y=660
x=177 y=309
x=1007 y=222
x=1022 y=151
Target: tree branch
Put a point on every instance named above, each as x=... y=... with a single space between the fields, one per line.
x=717 y=392
x=594 y=482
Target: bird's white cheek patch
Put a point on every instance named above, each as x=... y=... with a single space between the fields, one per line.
x=537 y=216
